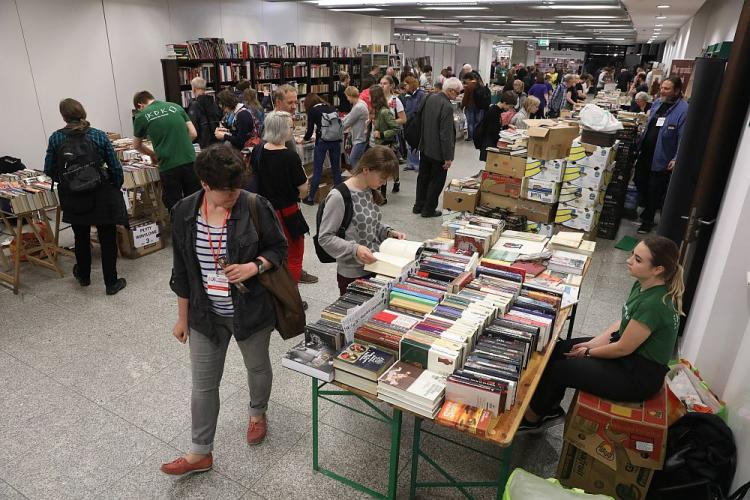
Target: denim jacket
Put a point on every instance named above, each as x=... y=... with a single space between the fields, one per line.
x=253 y=311
x=669 y=133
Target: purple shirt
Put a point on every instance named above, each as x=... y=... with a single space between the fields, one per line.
x=539 y=90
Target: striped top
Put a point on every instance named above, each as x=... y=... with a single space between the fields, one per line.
x=220 y=305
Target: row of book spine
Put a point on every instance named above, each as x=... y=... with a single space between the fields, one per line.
x=217 y=48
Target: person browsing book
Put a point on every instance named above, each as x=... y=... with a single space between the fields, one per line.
x=316 y=108
x=366 y=231
x=218 y=252
x=628 y=360
x=239 y=126
x=356 y=122
x=387 y=117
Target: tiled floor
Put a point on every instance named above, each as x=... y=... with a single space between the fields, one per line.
x=96 y=392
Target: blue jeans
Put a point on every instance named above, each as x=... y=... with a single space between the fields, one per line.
x=357 y=151
x=474 y=117
x=333 y=149
x=412 y=157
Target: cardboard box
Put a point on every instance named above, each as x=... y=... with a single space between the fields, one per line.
x=322 y=192
x=500 y=184
x=460 y=201
x=587 y=155
x=550 y=140
x=512 y=166
x=577 y=469
x=589 y=177
x=132 y=245
x=582 y=197
x=542 y=191
x=619 y=434
x=545 y=170
x=499 y=201
x=536 y=211
x=573 y=217
x=597 y=138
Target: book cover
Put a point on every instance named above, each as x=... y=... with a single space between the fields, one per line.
x=365 y=361
x=422 y=385
x=312 y=359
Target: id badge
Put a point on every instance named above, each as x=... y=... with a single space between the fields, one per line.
x=660 y=121
x=217 y=285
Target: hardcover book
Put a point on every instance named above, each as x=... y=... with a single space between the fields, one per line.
x=364 y=361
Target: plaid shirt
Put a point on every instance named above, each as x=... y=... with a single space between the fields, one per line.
x=103 y=145
x=557 y=100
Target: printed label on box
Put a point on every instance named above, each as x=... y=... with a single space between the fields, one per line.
x=145 y=235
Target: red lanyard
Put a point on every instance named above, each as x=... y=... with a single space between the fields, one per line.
x=216 y=254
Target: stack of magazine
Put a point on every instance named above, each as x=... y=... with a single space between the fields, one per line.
x=412 y=388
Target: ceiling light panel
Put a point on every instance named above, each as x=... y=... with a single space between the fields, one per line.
x=576 y=7
x=361 y=9
x=455 y=7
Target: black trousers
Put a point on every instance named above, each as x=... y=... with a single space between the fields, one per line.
x=628 y=379
x=178 y=183
x=430 y=183
x=654 y=192
x=107 y=241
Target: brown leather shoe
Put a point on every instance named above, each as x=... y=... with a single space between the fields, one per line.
x=181 y=467
x=256 y=431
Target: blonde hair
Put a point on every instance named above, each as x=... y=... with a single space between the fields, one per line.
x=530 y=102
x=664 y=253
x=351 y=92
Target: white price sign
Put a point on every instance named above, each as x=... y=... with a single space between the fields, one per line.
x=145 y=235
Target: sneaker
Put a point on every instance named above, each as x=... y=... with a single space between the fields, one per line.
x=118 y=285
x=81 y=281
x=308 y=201
x=384 y=202
x=181 y=467
x=645 y=227
x=396 y=187
x=256 y=431
x=434 y=213
x=526 y=427
x=306 y=277
x=415 y=210
x=409 y=167
x=534 y=427
x=556 y=414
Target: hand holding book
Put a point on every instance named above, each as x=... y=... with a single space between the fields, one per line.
x=365 y=256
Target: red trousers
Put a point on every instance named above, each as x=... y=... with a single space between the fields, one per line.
x=296 y=245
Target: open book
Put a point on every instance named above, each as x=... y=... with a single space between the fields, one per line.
x=394 y=256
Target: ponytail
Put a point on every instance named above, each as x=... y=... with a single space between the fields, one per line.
x=675 y=289
x=74 y=115
x=664 y=253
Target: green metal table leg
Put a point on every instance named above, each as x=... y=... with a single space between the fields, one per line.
x=415 y=457
x=395 y=449
x=504 y=471
x=315 y=423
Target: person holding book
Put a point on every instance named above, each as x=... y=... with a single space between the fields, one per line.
x=356 y=122
x=316 y=107
x=366 y=231
x=103 y=206
x=171 y=133
x=497 y=118
x=239 y=126
x=218 y=251
x=529 y=109
x=628 y=360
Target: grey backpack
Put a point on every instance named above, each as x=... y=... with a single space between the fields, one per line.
x=331 y=127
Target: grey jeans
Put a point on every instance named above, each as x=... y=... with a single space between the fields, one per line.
x=207 y=365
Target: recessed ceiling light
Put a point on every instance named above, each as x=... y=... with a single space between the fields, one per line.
x=483 y=21
x=663 y=6
x=483 y=17
x=365 y=9
x=612 y=39
x=588 y=17
x=441 y=21
x=402 y=17
x=658 y=25
x=661 y=17
x=455 y=7
x=576 y=7
x=534 y=21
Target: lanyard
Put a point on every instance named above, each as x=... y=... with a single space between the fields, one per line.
x=216 y=254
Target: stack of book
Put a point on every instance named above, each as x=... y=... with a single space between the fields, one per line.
x=138 y=174
x=567 y=262
x=521 y=242
x=326 y=332
x=414 y=300
x=426 y=348
x=448 y=267
x=359 y=366
x=385 y=329
x=573 y=242
x=465 y=418
x=412 y=388
x=311 y=358
x=27 y=190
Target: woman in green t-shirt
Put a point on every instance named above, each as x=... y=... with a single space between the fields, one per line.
x=628 y=360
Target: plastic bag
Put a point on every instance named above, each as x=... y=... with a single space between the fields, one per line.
x=524 y=485
x=596 y=118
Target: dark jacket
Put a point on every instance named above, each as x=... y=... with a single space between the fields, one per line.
x=205 y=115
x=438 y=138
x=253 y=311
x=670 y=133
x=243 y=127
x=413 y=101
x=344 y=105
x=490 y=127
x=315 y=119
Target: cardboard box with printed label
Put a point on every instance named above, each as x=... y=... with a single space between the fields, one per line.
x=139 y=239
x=582 y=197
x=536 y=211
x=541 y=191
x=550 y=140
x=500 y=184
x=619 y=434
x=512 y=166
x=545 y=170
x=460 y=201
x=598 y=138
x=590 y=177
x=577 y=469
x=587 y=155
x=572 y=217
x=499 y=201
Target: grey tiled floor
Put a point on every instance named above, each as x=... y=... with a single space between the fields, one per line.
x=95 y=391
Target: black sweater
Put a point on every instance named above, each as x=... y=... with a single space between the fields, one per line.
x=242 y=128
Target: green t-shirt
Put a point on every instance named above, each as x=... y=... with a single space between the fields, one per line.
x=651 y=308
x=164 y=124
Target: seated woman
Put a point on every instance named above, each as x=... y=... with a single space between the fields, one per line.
x=628 y=360
x=529 y=109
x=366 y=231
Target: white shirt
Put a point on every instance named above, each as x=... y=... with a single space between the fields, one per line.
x=395 y=105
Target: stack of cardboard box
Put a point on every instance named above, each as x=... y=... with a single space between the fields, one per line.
x=613 y=448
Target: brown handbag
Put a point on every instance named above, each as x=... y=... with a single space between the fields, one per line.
x=278 y=281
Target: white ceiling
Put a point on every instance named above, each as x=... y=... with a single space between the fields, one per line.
x=576 y=21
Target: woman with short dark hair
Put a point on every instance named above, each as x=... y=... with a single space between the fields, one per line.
x=100 y=205
x=239 y=126
x=218 y=253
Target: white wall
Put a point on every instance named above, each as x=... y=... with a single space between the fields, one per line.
x=467 y=51
x=103 y=51
x=441 y=54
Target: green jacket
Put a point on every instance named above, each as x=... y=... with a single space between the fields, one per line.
x=386 y=124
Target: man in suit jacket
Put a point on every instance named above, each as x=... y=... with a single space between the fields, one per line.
x=436 y=145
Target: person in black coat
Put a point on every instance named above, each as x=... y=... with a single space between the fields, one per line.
x=489 y=131
x=103 y=206
x=204 y=113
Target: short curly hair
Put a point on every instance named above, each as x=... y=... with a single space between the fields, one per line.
x=221 y=167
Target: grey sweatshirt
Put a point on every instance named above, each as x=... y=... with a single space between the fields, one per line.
x=357 y=120
x=365 y=229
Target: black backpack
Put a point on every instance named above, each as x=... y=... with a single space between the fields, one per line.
x=700 y=461
x=8 y=165
x=413 y=128
x=207 y=118
x=342 y=188
x=79 y=165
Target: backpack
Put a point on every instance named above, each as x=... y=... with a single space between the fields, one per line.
x=342 y=188
x=253 y=184
x=79 y=165
x=255 y=133
x=208 y=119
x=700 y=460
x=8 y=165
x=556 y=101
x=331 y=127
x=413 y=128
